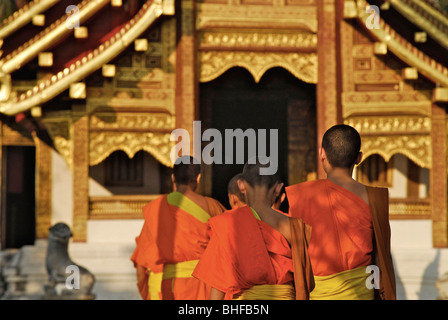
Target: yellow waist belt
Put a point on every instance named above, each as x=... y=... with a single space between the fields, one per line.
x=345 y=285
x=269 y=292
x=170 y=271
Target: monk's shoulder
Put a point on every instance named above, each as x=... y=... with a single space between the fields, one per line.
x=313 y=184
x=153 y=206
x=215 y=206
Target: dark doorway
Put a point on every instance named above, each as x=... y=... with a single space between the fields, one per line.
x=18 y=210
x=235 y=101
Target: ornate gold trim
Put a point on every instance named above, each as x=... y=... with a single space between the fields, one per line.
x=23 y=16
x=48 y=89
x=262 y=41
x=408 y=209
x=45 y=39
x=215 y=63
x=405 y=50
x=214 y=15
x=416 y=147
x=102 y=144
x=397 y=102
x=118 y=207
x=416 y=14
x=387 y=125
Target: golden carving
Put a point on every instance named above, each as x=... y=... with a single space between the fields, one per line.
x=131 y=121
x=409 y=209
x=118 y=207
x=211 y=15
x=253 y=40
x=404 y=50
x=49 y=88
x=102 y=144
x=417 y=12
x=215 y=63
x=414 y=102
x=385 y=125
x=415 y=147
x=23 y=16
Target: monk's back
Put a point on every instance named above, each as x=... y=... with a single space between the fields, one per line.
x=341 y=222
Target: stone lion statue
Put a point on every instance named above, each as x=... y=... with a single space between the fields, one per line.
x=66 y=278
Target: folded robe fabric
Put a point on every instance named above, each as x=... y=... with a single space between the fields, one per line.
x=244 y=252
x=174 y=231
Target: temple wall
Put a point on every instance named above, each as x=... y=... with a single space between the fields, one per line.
x=417 y=264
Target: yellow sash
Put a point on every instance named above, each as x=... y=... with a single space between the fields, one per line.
x=345 y=285
x=170 y=271
x=179 y=200
x=269 y=292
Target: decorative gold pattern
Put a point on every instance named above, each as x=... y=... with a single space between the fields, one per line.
x=211 y=15
x=131 y=121
x=415 y=147
x=414 y=102
x=102 y=144
x=49 y=88
x=419 y=15
x=386 y=125
x=215 y=63
x=118 y=207
x=409 y=209
x=23 y=16
x=404 y=50
x=275 y=41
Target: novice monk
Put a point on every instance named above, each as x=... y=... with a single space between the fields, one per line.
x=173 y=238
x=350 y=223
x=236 y=198
x=249 y=255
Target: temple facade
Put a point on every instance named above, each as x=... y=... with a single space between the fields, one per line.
x=90 y=92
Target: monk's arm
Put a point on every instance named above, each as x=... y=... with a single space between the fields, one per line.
x=142 y=281
x=215 y=294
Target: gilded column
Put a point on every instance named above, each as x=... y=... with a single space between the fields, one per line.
x=327 y=72
x=43 y=187
x=80 y=178
x=439 y=178
x=186 y=67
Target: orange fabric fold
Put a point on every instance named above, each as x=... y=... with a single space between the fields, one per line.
x=342 y=225
x=169 y=236
x=244 y=252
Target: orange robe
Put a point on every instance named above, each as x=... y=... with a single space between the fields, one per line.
x=244 y=252
x=171 y=235
x=342 y=225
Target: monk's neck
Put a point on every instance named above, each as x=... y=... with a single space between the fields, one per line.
x=185 y=190
x=340 y=176
x=259 y=202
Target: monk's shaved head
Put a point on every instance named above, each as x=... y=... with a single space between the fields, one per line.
x=232 y=187
x=342 y=144
x=251 y=174
x=186 y=170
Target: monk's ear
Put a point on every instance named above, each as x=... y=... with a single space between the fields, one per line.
x=278 y=189
x=198 y=178
x=322 y=154
x=359 y=158
x=242 y=186
x=232 y=200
